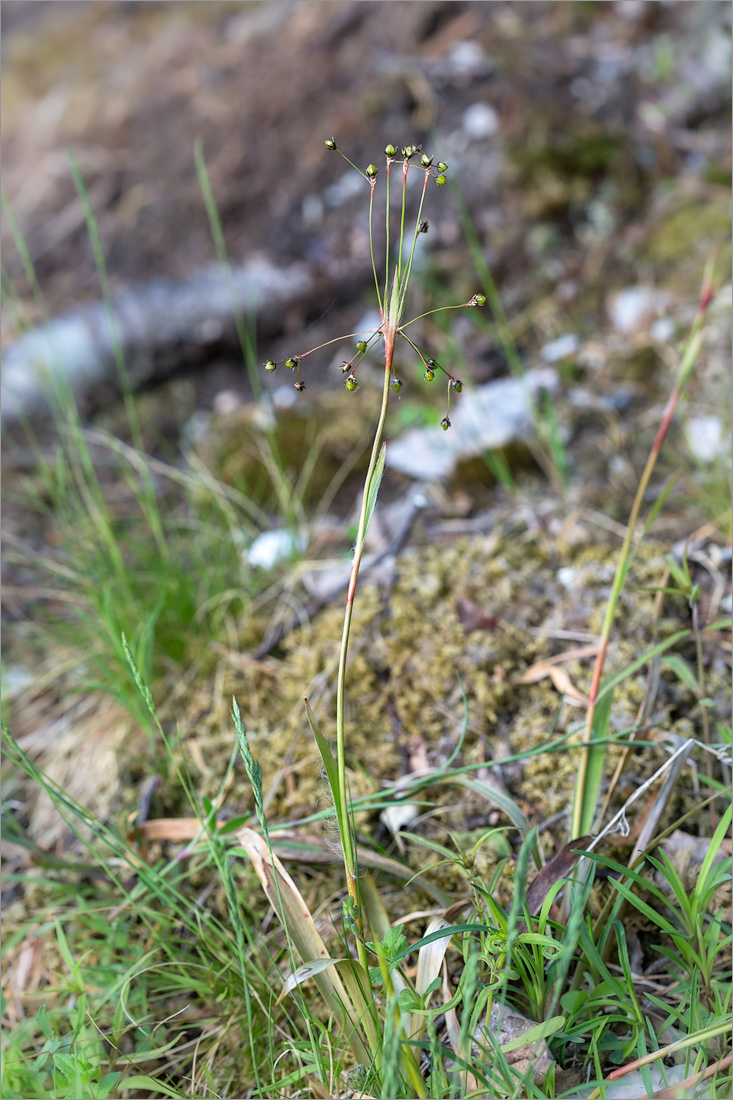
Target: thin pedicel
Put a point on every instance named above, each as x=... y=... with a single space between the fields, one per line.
x=390 y=311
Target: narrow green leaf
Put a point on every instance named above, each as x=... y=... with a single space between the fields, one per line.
x=535 y=1034
x=682 y=671
x=64 y=946
x=142 y=1081
x=43 y=1022
x=662 y=647
x=642 y=906
x=329 y=762
x=587 y=798
x=719 y=624
x=108 y=1082
x=717 y=840
x=374 y=483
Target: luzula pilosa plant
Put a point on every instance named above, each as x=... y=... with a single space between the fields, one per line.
x=391 y=297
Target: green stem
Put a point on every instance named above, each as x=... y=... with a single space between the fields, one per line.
x=440 y=309
x=338 y=340
x=371 y=244
x=386 y=253
x=415 y=235
x=402 y=218
x=578 y=824
x=346 y=840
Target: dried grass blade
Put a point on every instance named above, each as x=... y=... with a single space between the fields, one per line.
x=288 y=903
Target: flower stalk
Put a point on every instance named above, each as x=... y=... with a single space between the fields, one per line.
x=591 y=754
x=391 y=304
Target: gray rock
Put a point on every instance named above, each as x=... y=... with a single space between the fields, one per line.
x=160 y=325
x=483 y=420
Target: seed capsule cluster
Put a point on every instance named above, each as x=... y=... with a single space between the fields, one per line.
x=412 y=157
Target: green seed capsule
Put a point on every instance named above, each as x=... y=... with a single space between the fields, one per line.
x=479 y=299
x=372 y=171
x=445 y=423
x=442 y=166
x=407 y=151
x=330 y=144
x=440 y=180
x=457 y=385
x=390 y=150
x=425 y=160
x=360 y=345
x=397 y=385
x=351 y=383
x=270 y=364
x=292 y=363
x=429 y=375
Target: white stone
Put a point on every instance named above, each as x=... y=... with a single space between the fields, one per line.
x=484 y=419
x=634 y=306
x=662 y=330
x=704 y=435
x=480 y=120
x=272 y=547
x=468 y=57
x=562 y=348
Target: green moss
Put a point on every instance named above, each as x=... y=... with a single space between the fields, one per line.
x=690 y=231
x=409 y=647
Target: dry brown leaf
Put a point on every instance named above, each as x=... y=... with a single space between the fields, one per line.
x=548 y=667
x=473 y=616
x=561 y=680
x=170 y=828
x=540 y=669
x=558 y=867
x=338 y=985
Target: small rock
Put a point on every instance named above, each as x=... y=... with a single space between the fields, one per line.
x=635 y=306
x=704 y=435
x=468 y=58
x=632 y=1087
x=344 y=189
x=226 y=401
x=480 y=121
x=272 y=547
x=562 y=348
x=507 y=1025
x=662 y=330
x=398 y=816
x=490 y=417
